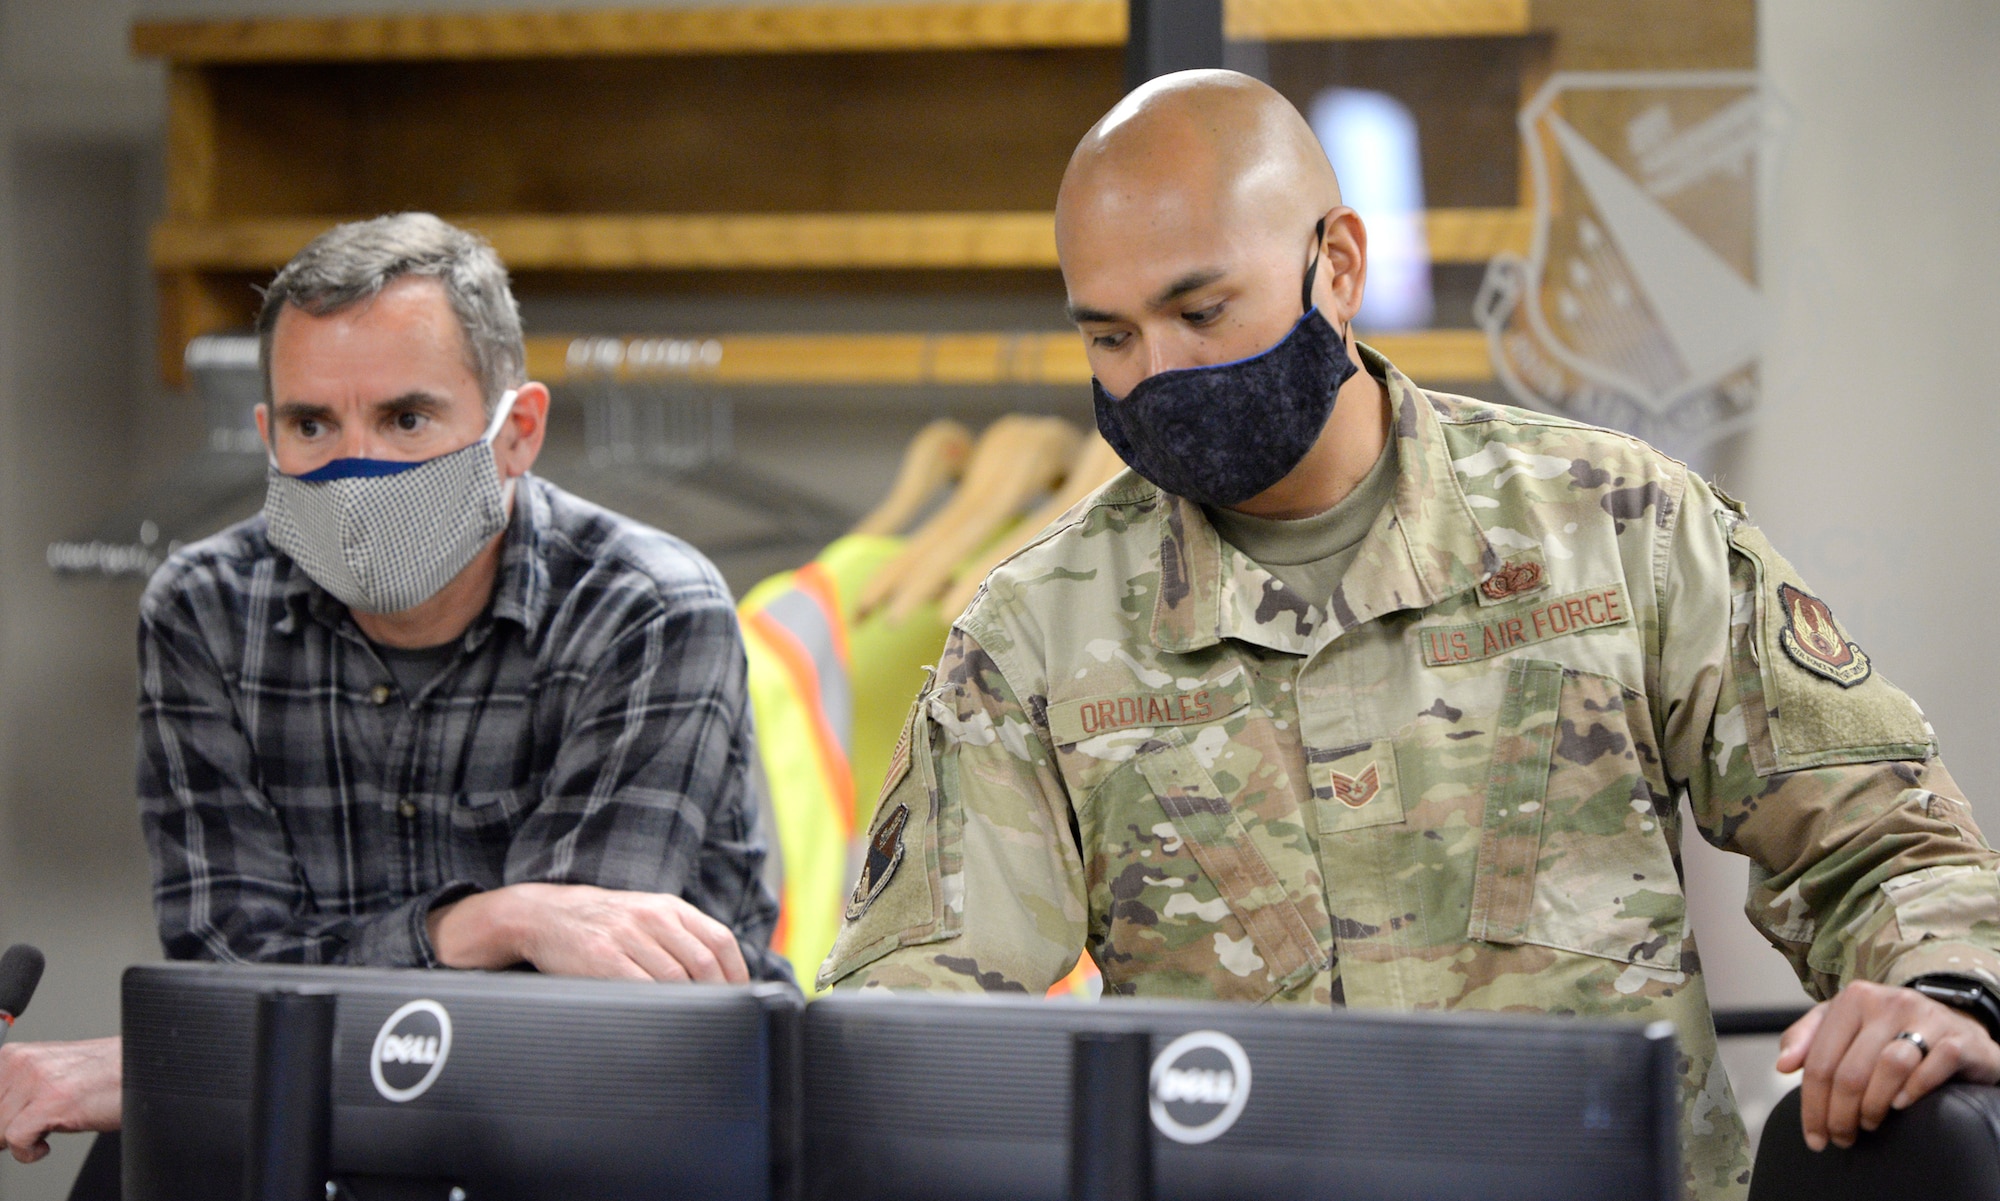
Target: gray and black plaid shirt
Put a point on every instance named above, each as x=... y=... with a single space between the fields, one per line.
x=593 y=728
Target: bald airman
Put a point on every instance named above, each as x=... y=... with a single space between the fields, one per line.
x=1351 y=693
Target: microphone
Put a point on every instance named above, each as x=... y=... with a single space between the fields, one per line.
x=20 y=971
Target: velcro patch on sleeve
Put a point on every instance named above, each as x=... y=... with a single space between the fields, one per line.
x=1504 y=629
x=1827 y=703
x=1073 y=721
x=897 y=899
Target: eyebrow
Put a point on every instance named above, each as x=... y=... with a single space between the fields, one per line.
x=408 y=402
x=1193 y=281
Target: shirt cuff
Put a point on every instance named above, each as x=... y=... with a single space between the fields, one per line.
x=401 y=937
x=1939 y=957
x=767 y=965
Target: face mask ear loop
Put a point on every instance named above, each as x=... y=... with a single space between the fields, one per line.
x=1312 y=268
x=500 y=412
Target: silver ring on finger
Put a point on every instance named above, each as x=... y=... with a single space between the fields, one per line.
x=1916 y=1040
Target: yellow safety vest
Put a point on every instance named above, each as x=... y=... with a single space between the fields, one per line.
x=829 y=696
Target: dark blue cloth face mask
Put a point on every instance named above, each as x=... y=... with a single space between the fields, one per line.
x=1221 y=434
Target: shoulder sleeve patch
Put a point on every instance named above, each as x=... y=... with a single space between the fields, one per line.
x=898 y=899
x=1824 y=701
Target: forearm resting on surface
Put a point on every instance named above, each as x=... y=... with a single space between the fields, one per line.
x=582 y=930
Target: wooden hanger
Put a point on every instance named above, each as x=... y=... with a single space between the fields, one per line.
x=1017 y=459
x=1093 y=466
x=935 y=457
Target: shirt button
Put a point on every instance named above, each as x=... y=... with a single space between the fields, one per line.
x=380 y=695
x=406 y=808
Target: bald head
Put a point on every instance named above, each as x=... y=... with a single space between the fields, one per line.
x=1198 y=148
x=1185 y=227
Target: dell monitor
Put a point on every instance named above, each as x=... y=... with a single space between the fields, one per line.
x=487 y=1086
x=969 y=1098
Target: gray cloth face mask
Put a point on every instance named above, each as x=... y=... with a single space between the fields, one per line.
x=382 y=535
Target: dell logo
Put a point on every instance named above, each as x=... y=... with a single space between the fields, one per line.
x=1209 y=1088
x=1200 y=1085
x=410 y=1050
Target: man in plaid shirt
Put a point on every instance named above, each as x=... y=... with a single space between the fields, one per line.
x=428 y=710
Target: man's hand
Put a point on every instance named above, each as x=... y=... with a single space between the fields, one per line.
x=49 y=1088
x=1857 y=1070
x=578 y=930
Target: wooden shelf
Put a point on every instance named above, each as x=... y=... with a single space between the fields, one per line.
x=892 y=360
x=1350 y=20
x=662 y=243
x=818 y=29
x=778 y=241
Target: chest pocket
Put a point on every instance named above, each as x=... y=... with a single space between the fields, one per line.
x=483 y=827
x=1229 y=856
x=1575 y=848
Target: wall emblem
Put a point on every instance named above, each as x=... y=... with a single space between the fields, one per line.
x=1638 y=306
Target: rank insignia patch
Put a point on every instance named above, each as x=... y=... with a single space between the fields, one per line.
x=1815 y=643
x=885 y=852
x=1356 y=791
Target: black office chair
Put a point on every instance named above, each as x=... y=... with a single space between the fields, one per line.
x=1946 y=1147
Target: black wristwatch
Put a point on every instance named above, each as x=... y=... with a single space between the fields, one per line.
x=1964 y=994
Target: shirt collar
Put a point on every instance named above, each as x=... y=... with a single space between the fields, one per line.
x=1423 y=548
x=520 y=592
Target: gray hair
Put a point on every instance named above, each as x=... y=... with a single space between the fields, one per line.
x=351 y=264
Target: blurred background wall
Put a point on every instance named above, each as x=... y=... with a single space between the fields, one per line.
x=1871 y=466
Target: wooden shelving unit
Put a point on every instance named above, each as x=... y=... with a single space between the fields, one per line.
x=831 y=148
x=834 y=149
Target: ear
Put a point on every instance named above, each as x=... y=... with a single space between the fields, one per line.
x=519 y=441
x=1343 y=266
x=263 y=412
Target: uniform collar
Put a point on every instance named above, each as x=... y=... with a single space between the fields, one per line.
x=1424 y=548
x=520 y=591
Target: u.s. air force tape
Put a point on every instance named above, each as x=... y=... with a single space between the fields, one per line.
x=1505 y=629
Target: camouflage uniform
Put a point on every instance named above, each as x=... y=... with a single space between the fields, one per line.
x=1452 y=786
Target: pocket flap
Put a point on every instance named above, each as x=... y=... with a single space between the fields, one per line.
x=1510 y=840
x=1230 y=859
x=504 y=798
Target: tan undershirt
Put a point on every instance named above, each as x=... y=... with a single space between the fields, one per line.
x=1311 y=554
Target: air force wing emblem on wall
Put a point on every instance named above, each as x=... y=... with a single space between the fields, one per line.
x=1638 y=306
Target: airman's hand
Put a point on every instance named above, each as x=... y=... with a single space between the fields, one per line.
x=1857 y=1069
